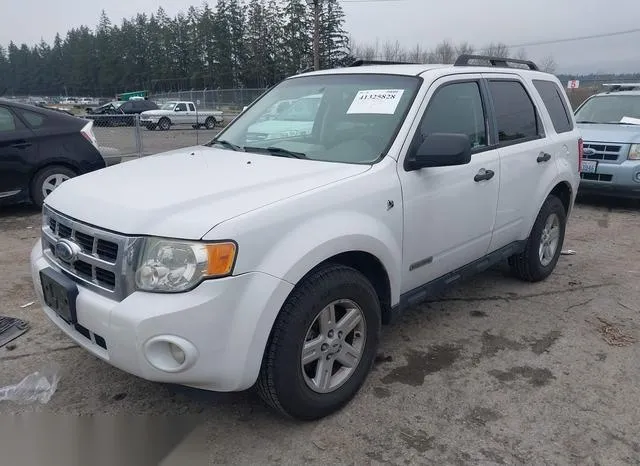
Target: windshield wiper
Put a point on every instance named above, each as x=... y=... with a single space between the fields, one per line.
x=226 y=144
x=586 y=122
x=278 y=151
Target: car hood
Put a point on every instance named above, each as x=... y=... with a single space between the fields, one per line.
x=622 y=134
x=185 y=193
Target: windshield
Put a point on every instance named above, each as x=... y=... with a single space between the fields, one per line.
x=609 y=109
x=168 y=106
x=350 y=118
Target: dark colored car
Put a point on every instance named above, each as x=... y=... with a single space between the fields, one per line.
x=40 y=149
x=44 y=105
x=119 y=113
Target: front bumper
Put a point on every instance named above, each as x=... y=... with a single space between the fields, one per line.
x=222 y=325
x=613 y=179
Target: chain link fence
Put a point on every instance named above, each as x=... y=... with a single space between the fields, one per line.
x=232 y=100
x=123 y=137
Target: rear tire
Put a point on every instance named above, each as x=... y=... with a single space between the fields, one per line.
x=295 y=386
x=164 y=124
x=210 y=123
x=48 y=179
x=544 y=245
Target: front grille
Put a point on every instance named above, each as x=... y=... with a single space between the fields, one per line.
x=107 y=250
x=596 y=177
x=603 y=151
x=100 y=262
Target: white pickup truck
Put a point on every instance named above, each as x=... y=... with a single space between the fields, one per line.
x=275 y=262
x=177 y=113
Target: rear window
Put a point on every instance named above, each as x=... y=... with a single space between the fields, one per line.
x=555 y=103
x=35 y=120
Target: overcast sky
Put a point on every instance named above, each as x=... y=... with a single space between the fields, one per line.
x=513 y=22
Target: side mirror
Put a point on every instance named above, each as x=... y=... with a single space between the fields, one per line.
x=441 y=150
x=177 y=109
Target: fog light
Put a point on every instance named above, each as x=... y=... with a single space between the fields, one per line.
x=177 y=353
x=170 y=353
x=637 y=177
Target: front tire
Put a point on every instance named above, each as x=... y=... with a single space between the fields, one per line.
x=544 y=245
x=322 y=345
x=47 y=180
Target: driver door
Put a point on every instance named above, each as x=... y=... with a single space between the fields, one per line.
x=449 y=213
x=180 y=114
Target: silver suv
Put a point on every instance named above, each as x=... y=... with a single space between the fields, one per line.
x=610 y=126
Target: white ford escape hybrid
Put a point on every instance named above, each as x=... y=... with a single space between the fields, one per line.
x=275 y=263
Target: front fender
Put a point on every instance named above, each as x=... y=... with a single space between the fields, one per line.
x=324 y=236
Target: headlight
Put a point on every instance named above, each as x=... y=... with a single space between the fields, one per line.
x=634 y=152
x=173 y=266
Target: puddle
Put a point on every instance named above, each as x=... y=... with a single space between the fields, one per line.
x=420 y=364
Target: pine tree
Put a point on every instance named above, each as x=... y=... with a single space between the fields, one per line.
x=296 y=37
x=334 y=41
x=4 y=71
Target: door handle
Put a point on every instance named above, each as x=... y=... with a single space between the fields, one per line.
x=543 y=157
x=21 y=145
x=483 y=175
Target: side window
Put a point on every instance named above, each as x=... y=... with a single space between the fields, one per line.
x=181 y=107
x=556 y=105
x=456 y=108
x=127 y=107
x=8 y=122
x=516 y=115
x=192 y=108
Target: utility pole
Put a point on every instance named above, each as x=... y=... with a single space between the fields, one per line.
x=315 y=4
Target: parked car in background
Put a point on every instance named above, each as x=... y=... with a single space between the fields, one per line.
x=177 y=113
x=610 y=125
x=40 y=149
x=119 y=113
x=287 y=118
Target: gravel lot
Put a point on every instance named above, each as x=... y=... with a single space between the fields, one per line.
x=495 y=372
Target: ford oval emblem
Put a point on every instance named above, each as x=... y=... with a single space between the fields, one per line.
x=66 y=250
x=589 y=151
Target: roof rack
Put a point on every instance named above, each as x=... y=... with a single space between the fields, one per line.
x=463 y=60
x=616 y=87
x=379 y=62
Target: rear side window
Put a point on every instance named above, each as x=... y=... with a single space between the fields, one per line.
x=515 y=113
x=556 y=105
x=35 y=120
x=192 y=108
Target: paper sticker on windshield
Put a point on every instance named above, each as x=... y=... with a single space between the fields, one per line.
x=376 y=101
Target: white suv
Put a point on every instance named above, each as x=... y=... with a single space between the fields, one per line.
x=275 y=263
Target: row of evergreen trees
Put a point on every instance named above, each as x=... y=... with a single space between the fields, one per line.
x=237 y=43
